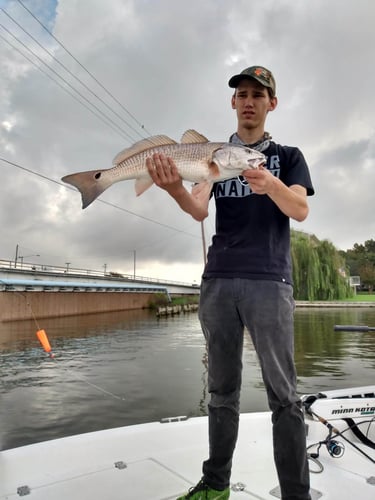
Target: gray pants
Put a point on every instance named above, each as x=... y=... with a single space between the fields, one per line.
x=266 y=309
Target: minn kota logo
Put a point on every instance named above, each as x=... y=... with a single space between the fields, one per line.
x=361 y=410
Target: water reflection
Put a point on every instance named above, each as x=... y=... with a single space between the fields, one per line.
x=129 y=367
x=329 y=359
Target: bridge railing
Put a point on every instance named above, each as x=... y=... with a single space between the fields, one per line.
x=27 y=267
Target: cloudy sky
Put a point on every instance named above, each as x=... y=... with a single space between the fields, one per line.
x=119 y=70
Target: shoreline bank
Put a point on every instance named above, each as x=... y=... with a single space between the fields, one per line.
x=341 y=304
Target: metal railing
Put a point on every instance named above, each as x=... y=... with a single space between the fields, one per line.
x=27 y=267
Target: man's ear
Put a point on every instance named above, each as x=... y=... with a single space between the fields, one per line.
x=273 y=103
x=233 y=101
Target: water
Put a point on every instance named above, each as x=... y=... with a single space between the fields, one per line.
x=124 y=368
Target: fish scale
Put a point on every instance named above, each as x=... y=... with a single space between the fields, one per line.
x=190 y=159
x=196 y=159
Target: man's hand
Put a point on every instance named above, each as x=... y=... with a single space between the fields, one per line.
x=260 y=180
x=290 y=200
x=164 y=173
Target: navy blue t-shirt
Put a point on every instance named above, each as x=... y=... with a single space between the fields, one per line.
x=252 y=237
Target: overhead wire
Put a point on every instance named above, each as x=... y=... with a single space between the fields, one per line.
x=72 y=74
x=113 y=205
x=85 y=69
x=62 y=87
x=66 y=82
x=99 y=114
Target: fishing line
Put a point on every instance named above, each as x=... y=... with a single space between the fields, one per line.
x=43 y=339
x=75 y=374
x=112 y=205
x=336 y=432
x=42 y=336
x=22 y=294
x=94 y=386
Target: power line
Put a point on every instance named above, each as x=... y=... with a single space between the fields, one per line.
x=72 y=74
x=66 y=82
x=84 y=68
x=100 y=116
x=98 y=199
x=61 y=86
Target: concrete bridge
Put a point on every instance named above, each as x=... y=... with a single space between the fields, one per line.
x=49 y=291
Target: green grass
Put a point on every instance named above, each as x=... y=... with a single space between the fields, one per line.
x=161 y=299
x=362 y=297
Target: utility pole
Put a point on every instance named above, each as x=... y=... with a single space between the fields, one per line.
x=134 y=262
x=16 y=258
x=204 y=244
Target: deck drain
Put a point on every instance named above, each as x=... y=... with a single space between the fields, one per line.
x=120 y=465
x=22 y=491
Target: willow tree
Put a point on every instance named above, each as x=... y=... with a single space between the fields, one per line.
x=318 y=269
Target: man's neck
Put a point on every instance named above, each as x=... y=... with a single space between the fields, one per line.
x=250 y=136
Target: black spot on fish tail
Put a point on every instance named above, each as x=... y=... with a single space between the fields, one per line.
x=90 y=184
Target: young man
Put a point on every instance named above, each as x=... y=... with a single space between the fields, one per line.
x=247 y=282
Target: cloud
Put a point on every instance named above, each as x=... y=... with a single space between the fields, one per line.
x=167 y=64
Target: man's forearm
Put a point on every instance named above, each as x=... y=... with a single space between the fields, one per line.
x=196 y=206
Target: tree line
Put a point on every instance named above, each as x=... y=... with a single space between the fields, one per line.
x=321 y=272
x=361 y=262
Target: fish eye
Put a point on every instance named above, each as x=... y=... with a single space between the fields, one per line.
x=98 y=175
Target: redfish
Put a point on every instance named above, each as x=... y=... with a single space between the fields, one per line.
x=197 y=160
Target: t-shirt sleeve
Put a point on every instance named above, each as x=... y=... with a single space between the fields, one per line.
x=297 y=171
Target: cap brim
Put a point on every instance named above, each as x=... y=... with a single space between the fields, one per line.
x=235 y=80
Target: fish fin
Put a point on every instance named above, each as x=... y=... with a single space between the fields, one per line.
x=214 y=170
x=143 y=145
x=90 y=184
x=142 y=184
x=192 y=136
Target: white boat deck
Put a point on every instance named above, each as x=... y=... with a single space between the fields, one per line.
x=160 y=461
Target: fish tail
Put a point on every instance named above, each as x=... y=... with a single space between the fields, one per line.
x=90 y=184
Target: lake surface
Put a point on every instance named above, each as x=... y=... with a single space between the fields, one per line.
x=124 y=368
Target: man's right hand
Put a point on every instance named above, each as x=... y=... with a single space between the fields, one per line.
x=164 y=173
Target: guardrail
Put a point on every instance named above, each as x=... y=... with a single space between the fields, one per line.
x=27 y=267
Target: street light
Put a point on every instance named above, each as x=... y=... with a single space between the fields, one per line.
x=21 y=257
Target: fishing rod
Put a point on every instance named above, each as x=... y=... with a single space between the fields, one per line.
x=335 y=448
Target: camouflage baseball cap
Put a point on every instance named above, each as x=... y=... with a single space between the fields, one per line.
x=258 y=73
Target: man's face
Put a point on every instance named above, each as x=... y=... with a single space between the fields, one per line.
x=252 y=102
